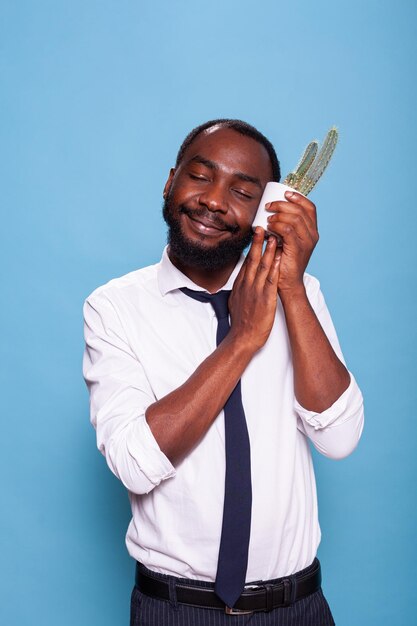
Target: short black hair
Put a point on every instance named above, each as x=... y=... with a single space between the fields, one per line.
x=241 y=127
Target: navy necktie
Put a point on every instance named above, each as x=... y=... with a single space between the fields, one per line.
x=234 y=543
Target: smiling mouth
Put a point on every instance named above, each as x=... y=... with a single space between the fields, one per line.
x=207 y=225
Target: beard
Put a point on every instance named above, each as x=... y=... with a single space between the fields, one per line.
x=198 y=255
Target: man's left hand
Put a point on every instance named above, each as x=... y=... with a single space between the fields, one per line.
x=295 y=221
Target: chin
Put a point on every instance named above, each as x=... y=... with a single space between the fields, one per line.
x=200 y=251
x=205 y=253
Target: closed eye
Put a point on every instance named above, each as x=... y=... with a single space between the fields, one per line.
x=242 y=193
x=195 y=177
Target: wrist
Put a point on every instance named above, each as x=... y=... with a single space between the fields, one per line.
x=241 y=345
x=293 y=295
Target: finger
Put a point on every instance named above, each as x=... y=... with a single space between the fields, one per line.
x=284 y=206
x=257 y=243
x=254 y=255
x=271 y=282
x=302 y=201
x=297 y=221
x=266 y=260
x=287 y=232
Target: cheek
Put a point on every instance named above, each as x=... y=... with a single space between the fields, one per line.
x=183 y=195
x=245 y=216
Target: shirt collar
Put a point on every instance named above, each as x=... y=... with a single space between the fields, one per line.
x=170 y=277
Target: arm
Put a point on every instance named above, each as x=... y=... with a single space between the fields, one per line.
x=119 y=395
x=179 y=420
x=320 y=376
x=336 y=430
x=141 y=437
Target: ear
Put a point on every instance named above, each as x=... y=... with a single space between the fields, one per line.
x=169 y=182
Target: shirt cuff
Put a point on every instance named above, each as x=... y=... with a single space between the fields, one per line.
x=144 y=448
x=341 y=410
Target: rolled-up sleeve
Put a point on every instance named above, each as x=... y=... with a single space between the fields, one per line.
x=336 y=431
x=120 y=393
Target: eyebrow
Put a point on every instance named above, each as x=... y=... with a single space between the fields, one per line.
x=213 y=166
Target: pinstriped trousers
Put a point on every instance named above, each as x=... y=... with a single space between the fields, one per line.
x=145 y=611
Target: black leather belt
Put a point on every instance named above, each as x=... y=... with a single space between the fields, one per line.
x=262 y=596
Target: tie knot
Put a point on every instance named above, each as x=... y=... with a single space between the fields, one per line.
x=217 y=300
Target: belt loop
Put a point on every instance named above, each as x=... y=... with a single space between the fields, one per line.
x=287 y=584
x=173 y=594
x=293 y=580
x=269 y=598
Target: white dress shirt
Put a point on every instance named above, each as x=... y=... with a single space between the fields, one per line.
x=144 y=338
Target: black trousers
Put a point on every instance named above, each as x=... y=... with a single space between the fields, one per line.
x=145 y=611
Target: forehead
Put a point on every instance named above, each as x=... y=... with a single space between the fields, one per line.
x=231 y=151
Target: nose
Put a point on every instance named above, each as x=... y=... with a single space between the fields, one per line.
x=214 y=198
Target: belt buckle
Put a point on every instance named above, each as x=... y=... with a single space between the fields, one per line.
x=251 y=587
x=231 y=611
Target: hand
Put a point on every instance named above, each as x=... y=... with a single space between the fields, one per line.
x=295 y=222
x=253 y=300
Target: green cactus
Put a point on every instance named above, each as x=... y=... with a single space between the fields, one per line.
x=294 y=178
x=312 y=165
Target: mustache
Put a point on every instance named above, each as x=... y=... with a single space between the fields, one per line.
x=213 y=218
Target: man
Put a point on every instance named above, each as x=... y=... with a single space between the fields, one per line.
x=208 y=427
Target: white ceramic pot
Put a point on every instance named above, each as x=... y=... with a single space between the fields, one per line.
x=273 y=191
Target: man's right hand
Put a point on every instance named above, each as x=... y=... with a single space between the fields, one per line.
x=253 y=300
x=180 y=419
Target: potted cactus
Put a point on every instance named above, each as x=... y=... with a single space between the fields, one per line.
x=309 y=170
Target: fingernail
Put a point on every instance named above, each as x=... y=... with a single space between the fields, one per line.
x=267 y=205
x=289 y=194
x=258 y=230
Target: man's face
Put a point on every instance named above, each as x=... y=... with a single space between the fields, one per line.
x=212 y=197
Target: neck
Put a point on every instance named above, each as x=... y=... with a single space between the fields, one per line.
x=212 y=280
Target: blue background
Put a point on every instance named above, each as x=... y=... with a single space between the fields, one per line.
x=95 y=100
